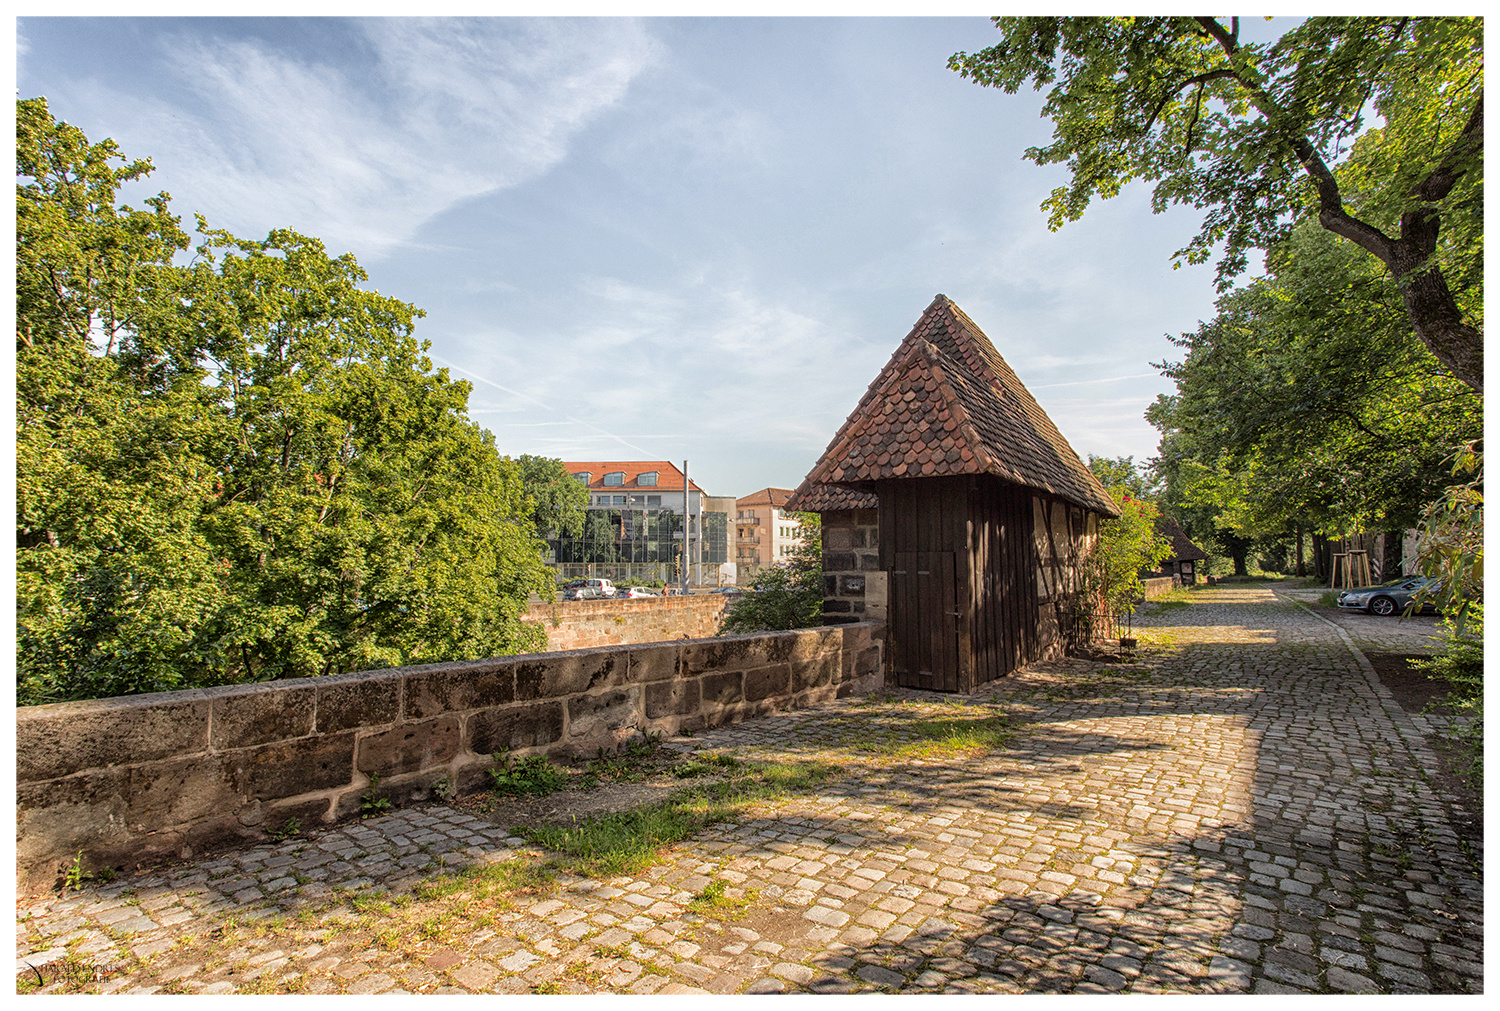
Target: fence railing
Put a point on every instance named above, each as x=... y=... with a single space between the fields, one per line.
x=1083 y=627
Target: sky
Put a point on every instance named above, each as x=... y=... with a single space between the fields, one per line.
x=660 y=238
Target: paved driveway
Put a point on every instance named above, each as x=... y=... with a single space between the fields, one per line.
x=1241 y=809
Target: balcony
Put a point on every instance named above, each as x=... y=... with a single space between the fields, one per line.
x=746 y=540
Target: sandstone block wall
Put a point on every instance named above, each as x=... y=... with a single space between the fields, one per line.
x=131 y=780
x=1159 y=585
x=583 y=624
x=854 y=585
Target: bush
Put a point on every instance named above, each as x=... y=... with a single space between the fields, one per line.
x=1461 y=664
x=786 y=595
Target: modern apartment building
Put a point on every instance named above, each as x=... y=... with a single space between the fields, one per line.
x=634 y=529
x=765 y=532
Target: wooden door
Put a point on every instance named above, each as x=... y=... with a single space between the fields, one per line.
x=924 y=620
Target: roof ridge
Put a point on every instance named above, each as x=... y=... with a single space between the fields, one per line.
x=964 y=401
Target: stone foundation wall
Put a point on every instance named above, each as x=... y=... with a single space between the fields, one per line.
x=132 y=780
x=854 y=585
x=584 y=624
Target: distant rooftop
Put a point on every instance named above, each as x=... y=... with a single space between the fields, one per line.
x=668 y=477
x=766 y=496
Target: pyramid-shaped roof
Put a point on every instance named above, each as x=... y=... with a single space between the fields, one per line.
x=1183 y=548
x=946 y=404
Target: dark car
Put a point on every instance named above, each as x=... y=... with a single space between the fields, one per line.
x=1390 y=598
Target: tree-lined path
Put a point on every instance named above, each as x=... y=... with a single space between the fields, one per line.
x=1241 y=808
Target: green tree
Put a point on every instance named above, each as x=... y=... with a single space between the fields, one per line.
x=1253 y=135
x=1123 y=472
x=559 y=499
x=1308 y=403
x=240 y=468
x=786 y=594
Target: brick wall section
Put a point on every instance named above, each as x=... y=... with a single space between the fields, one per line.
x=853 y=582
x=148 y=777
x=584 y=624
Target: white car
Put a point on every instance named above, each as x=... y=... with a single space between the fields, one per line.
x=634 y=592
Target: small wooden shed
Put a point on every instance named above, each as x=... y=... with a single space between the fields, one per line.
x=1183 y=562
x=954 y=509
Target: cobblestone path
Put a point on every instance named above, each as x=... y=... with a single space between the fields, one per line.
x=1242 y=808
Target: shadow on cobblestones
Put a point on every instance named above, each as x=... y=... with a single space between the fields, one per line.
x=1240 y=808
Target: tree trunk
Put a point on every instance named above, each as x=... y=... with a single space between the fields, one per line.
x=1301 y=564
x=1435 y=317
x=1390 y=562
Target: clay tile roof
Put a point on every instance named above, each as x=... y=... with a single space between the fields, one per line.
x=1183 y=549
x=946 y=403
x=823 y=498
x=766 y=496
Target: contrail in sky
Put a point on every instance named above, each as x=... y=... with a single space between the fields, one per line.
x=546 y=407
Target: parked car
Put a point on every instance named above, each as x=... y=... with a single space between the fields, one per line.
x=1389 y=598
x=587 y=589
x=730 y=591
x=633 y=592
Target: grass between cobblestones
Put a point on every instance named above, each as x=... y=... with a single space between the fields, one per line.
x=630 y=841
x=443 y=908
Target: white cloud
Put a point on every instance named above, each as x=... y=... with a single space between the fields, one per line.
x=361 y=153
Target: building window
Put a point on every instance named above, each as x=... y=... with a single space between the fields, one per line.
x=614 y=480
x=647 y=480
x=653 y=500
x=583 y=477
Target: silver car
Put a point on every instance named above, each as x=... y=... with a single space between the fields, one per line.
x=1390 y=598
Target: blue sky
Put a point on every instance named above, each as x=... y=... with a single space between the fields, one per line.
x=658 y=238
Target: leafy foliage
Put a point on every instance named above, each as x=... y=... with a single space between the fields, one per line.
x=559 y=500
x=1258 y=135
x=1128 y=545
x=1122 y=472
x=236 y=468
x=1307 y=401
x=787 y=594
x=1461 y=664
x=532 y=776
x=1451 y=542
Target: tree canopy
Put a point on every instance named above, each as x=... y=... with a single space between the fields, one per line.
x=1257 y=135
x=559 y=500
x=239 y=466
x=1307 y=400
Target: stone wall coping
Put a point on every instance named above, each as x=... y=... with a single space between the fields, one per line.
x=136 y=778
x=118 y=705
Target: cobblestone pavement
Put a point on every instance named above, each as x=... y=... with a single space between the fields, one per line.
x=1241 y=808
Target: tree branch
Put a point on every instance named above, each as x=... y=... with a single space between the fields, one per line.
x=1199 y=79
x=1228 y=40
x=1187 y=147
x=1443 y=178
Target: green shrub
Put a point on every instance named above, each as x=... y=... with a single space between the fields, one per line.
x=533 y=776
x=1461 y=664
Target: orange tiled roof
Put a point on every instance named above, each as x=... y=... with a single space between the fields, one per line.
x=946 y=403
x=766 y=496
x=669 y=478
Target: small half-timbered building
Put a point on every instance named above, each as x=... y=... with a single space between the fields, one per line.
x=955 y=510
x=1183 y=562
